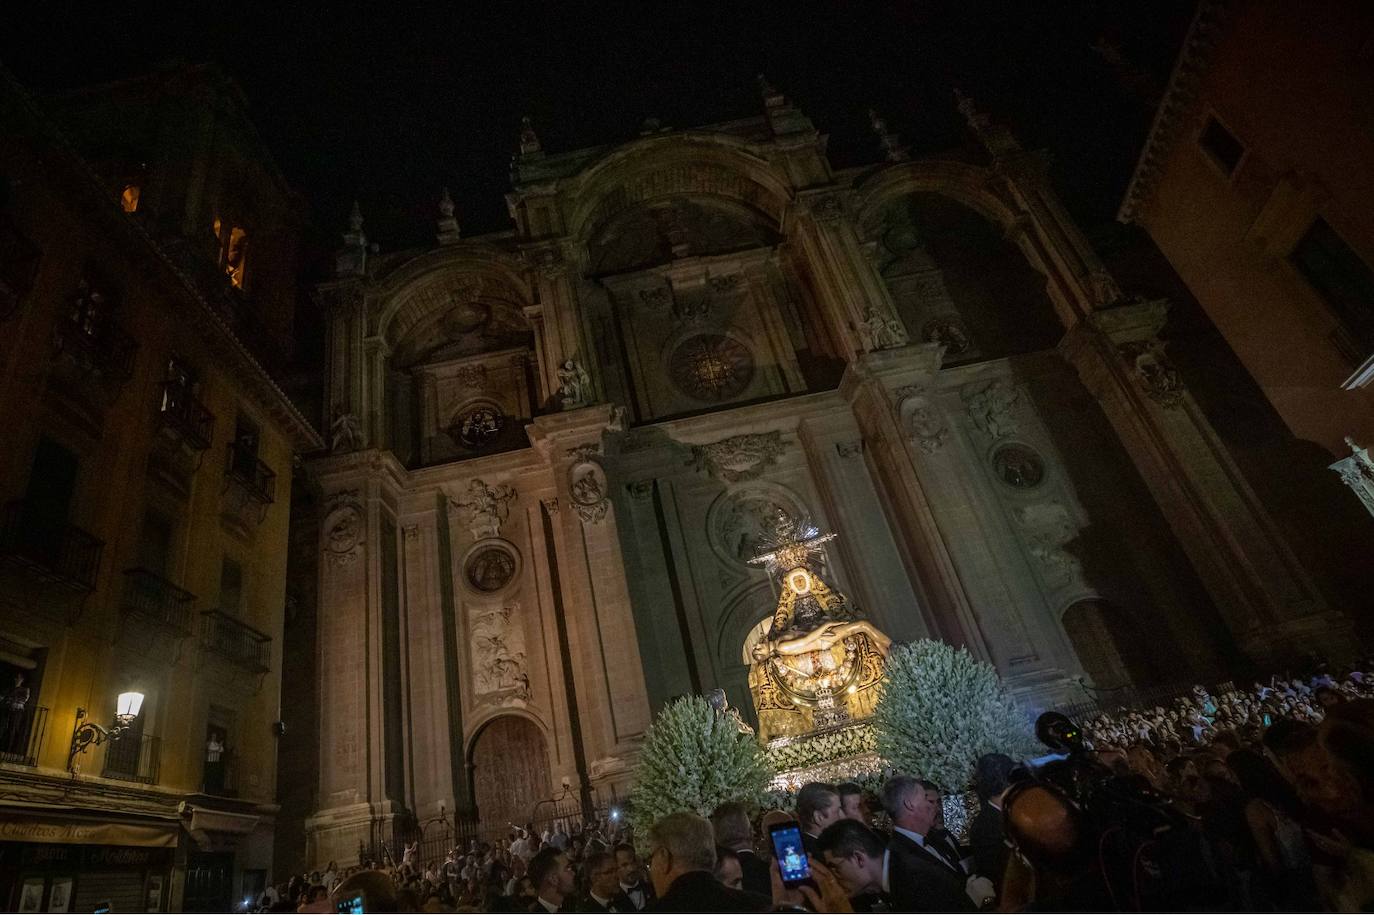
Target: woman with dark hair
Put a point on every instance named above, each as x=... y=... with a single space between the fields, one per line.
x=1274 y=815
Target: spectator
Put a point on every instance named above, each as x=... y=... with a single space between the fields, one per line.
x=603 y=886
x=730 y=823
x=631 y=874
x=859 y=859
x=922 y=876
x=852 y=806
x=681 y=861
x=818 y=805
x=552 y=877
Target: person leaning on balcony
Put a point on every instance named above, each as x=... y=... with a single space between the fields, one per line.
x=13 y=707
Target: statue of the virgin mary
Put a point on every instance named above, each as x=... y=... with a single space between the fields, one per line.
x=817 y=663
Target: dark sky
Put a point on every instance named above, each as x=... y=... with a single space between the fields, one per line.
x=388 y=102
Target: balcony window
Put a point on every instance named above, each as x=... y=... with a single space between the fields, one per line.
x=22 y=721
x=181 y=409
x=236 y=642
x=35 y=532
x=93 y=339
x=128 y=198
x=156 y=600
x=1342 y=278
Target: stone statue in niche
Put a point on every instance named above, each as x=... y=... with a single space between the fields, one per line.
x=486 y=507
x=574 y=385
x=345 y=433
x=881 y=331
x=499 y=653
x=992 y=409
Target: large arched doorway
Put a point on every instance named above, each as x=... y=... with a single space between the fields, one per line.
x=509 y=764
x=1103 y=637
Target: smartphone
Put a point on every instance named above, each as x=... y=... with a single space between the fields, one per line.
x=790 y=853
x=351 y=904
x=102 y=909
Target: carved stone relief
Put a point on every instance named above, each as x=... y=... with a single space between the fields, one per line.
x=879 y=330
x=490 y=567
x=1019 y=466
x=850 y=449
x=950 y=333
x=498 y=647
x=344 y=527
x=740 y=521
x=1153 y=371
x=486 y=507
x=992 y=408
x=1047 y=529
x=712 y=368
x=740 y=457
x=587 y=486
x=921 y=418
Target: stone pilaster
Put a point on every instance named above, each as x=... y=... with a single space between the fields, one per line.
x=1262 y=592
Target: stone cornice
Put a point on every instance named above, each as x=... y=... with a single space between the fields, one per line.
x=1179 y=96
x=244 y=366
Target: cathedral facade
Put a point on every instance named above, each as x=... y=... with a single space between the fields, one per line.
x=556 y=448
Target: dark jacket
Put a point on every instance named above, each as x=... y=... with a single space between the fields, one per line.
x=872 y=902
x=989 y=846
x=698 y=891
x=919 y=882
x=756 y=876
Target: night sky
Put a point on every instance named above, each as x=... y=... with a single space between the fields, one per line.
x=388 y=103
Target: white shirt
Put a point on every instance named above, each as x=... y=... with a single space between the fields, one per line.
x=887 y=859
x=548 y=906
x=636 y=894
x=921 y=841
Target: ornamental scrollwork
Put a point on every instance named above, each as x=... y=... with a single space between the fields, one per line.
x=740 y=457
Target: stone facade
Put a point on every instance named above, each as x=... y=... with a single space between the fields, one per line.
x=569 y=438
x=146 y=471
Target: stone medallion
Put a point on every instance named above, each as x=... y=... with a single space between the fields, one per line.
x=490 y=567
x=739 y=521
x=711 y=367
x=1018 y=466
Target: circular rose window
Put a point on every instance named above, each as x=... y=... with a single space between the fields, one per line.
x=490 y=569
x=1018 y=466
x=478 y=426
x=712 y=367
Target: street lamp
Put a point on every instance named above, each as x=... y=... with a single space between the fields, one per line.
x=85 y=733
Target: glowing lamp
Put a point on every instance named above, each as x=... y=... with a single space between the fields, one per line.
x=129 y=706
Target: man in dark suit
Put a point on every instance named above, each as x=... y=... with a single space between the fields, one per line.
x=682 y=857
x=818 y=805
x=859 y=860
x=730 y=823
x=987 y=841
x=552 y=875
x=631 y=873
x=922 y=876
x=603 y=886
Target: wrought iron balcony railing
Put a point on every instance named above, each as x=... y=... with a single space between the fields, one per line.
x=98 y=345
x=245 y=470
x=236 y=642
x=21 y=734
x=156 y=599
x=187 y=416
x=221 y=776
x=134 y=759
x=54 y=551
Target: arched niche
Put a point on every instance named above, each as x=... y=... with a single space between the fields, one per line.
x=508 y=764
x=460 y=362
x=1107 y=644
x=957 y=279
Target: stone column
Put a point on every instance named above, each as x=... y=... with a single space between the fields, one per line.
x=1262 y=592
x=431 y=741
x=373 y=403
x=606 y=669
x=352 y=798
x=883 y=390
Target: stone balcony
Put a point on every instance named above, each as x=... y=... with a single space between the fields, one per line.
x=154 y=613
x=92 y=360
x=185 y=430
x=233 y=647
x=250 y=486
x=49 y=566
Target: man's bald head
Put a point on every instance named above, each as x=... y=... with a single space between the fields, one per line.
x=1044 y=824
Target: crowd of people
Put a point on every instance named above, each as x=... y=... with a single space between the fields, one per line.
x=1261 y=800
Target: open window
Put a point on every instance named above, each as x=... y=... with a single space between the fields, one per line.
x=233 y=250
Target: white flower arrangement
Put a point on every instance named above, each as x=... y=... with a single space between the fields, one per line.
x=940 y=709
x=694 y=758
